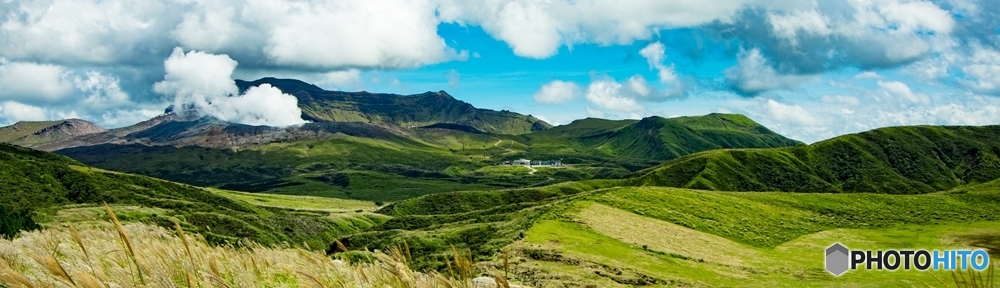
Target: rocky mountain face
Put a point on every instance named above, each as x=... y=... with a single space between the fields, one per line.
x=40 y=133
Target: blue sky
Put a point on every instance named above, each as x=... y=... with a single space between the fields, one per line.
x=810 y=70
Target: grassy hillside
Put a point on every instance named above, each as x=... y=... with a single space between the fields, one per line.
x=390 y=163
x=52 y=188
x=342 y=166
x=680 y=237
x=23 y=128
x=656 y=138
x=480 y=222
x=897 y=160
x=407 y=111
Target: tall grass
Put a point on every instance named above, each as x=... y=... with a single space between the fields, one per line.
x=142 y=255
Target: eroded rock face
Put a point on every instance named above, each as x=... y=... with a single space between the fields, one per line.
x=71 y=128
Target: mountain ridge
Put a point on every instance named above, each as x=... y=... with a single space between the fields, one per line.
x=896 y=160
x=416 y=110
x=404 y=161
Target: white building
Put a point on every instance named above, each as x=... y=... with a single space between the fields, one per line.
x=522 y=162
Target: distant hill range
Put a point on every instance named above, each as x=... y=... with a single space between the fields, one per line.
x=384 y=142
x=898 y=160
x=417 y=110
x=394 y=117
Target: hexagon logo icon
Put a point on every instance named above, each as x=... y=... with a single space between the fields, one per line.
x=837 y=259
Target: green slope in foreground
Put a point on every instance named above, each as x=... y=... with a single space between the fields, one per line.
x=895 y=160
x=54 y=189
x=701 y=238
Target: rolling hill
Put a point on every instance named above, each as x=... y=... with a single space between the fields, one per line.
x=52 y=188
x=657 y=138
x=417 y=110
x=386 y=162
x=385 y=147
x=605 y=234
x=897 y=160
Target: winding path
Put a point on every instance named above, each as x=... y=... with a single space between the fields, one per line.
x=501 y=141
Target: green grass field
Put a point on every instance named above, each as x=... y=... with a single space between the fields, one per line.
x=703 y=238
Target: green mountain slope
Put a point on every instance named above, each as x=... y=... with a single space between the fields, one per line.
x=899 y=160
x=657 y=138
x=407 y=111
x=369 y=166
x=42 y=184
x=23 y=128
x=384 y=162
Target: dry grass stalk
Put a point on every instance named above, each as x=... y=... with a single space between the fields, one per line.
x=128 y=242
x=501 y=280
x=313 y=280
x=85 y=280
x=190 y=280
x=213 y=265
x=409 y=258
x=15 y=279
x=506 y=262
x=172 y=258
x=55 y=268
x=79 y=242
x=340 y=245
x=180 y=233
x=463 y=265
x=218 y=281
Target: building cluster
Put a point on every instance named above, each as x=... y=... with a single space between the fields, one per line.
x=527 y=162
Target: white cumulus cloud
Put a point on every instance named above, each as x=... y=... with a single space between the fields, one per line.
x=791 y=113
x=453 y=78
x=611 y=95
x=84 y=31
x=203 y=82
x=557 y=92
x=982 y=72
x=655 y=54
x=840 y=99
x=345 y=78
x=537 y=29
x=15 y=111
x=899 y=90
x=354 y=33
x=33 y=82
x=753 y=74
